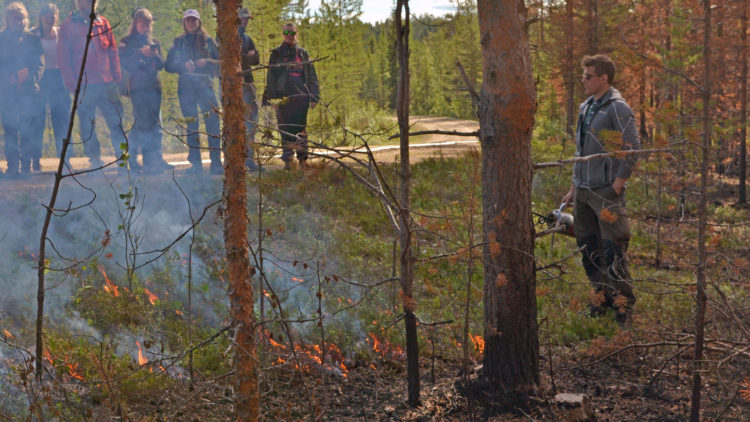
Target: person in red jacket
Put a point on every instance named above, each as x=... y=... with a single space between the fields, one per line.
x=100 y=79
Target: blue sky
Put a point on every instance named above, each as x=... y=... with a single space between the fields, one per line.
x=379 y=10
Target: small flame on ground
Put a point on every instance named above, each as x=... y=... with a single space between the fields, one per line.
x=47 y=356
x=7 y=334
x=384 y=348
x=298 y=280
x=141 y=359
x=478 y=342
x=109 y=287
x=152 y=298
x=73 y=371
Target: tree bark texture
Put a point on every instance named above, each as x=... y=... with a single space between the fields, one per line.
x=236 y=220
x=743 y=108
x=506 y=118
x=405 y=233
x=700 y=282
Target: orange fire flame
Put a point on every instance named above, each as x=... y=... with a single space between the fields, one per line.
x=385 y=349
x=141 y=359
x=7 y=334
x=152 y=298
x=478 y=342
x=47 y=356
x=298 y=280
x=109 y=287
x=310 y=357
x=73 y=371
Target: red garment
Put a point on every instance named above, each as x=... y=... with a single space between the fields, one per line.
x=102 y=61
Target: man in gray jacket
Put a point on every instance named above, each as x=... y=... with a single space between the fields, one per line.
x=605 y=124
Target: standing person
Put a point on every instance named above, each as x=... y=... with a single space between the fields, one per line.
x=250 y=58
x=141 y=58
x=605 y=124
x=101 y=78
x=21 y=67
x=291 y=76
x=53 y=92
x=195 y=57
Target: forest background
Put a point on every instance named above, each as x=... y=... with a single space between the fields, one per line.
x=335 y=231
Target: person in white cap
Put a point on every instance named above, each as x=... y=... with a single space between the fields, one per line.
x=195 y=57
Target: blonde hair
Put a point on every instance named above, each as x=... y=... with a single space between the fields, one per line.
x=19 y=8
x=142 y=14
x=49 y=9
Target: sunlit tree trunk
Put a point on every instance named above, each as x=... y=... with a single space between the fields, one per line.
x=407 y=256
x=570 y=69
x=506 y=118
x=236 y=221
x=700 y=282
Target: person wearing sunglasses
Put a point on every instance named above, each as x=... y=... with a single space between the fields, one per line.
x=606 y=123
x=21 y=68
x=292 y=79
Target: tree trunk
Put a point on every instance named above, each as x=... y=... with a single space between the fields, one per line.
x=700 y=282
x=236 y=221
x=570 y=71
x=743 y=107
x=407 y=256
x=506 y=118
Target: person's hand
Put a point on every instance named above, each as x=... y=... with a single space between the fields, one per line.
x=252 y=52
x=147 y=51
x=618 y=185
x=200 y=62
x=313 y=105
x=568 y=198
x=21 y=75
x=190 y=66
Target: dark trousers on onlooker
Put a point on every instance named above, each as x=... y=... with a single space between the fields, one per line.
x=105 y=97
x=292 y=119
x=201 y=97
x=251 y=120
x=146 y=133
x=54 y=94
x=20 y=134
x=603 y=230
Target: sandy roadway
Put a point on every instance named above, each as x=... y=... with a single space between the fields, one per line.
x=421 y=147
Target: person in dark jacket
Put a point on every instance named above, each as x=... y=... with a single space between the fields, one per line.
x=250 y=58
x=101 y=78
x=52 y=89
x=195 y=57
x=21 y=68
x=292 y=77
x=141 y=59
x=605 y=124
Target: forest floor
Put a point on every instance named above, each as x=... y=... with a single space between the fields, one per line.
x=636 y=374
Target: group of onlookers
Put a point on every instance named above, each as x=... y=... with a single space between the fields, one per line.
x=39 y=69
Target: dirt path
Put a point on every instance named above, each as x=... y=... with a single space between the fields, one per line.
x=423 y=146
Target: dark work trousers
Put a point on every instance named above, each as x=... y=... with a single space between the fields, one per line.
x=192 y=98
x=54 y=94
x=602 y=228
x=105 y=97
x=292 y=119
x=21 y=135
x=146 y=132
x=251 y=119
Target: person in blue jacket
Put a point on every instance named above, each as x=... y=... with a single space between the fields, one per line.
x=195 y=57
x=141 y=59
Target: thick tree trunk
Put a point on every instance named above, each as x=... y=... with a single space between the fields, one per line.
x=407 y=256
x=236 y=221
x=743 y=108
x=506 y=118
x=700 y=282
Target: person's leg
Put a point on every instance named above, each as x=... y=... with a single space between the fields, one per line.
x=209 y=109
x=112 y=111
x=87 y=125
x=251 y=120
x=299 y=122
x=58 y=99
x=588 y=239
x=189 y=107
x=30 y=131
x=615 y=229
x=10 y=132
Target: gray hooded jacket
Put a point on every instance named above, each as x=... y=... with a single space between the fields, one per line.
x=611 y=129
